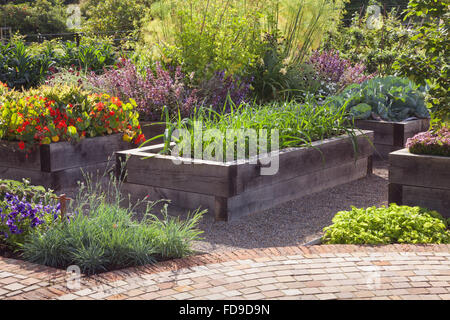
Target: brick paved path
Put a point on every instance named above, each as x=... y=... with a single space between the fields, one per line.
x=316 y=272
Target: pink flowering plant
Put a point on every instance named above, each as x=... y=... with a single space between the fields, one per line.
x=434 y=142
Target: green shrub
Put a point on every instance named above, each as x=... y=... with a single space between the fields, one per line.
x=207 y=37
x=376 y=48
x=213 y=36
x=391 y=99
x=39 y=16
x=394 y=224
x=114 y=15
x=426 y=58
x=275 y=77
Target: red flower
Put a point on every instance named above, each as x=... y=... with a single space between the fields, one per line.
x=100 y=106
x=52 y=112
x=61 y=124
x=111 y=113
x=21 y=145
x=140 y=139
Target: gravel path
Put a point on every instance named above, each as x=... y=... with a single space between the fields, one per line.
x=295 y=222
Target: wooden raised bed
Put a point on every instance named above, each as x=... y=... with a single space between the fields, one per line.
x=233 y=189
x=392 y=136
x=58 y=165
x=420 y=180
x=151 y=129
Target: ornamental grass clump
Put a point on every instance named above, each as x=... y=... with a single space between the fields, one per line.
x=436 y=142
x=103 y=235
x=385 y=225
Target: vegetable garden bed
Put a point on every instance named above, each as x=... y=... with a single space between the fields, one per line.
x=420 y=180
x=58 y=165
x=233 y=189
x=392 y=136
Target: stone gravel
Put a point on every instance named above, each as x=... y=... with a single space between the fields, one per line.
x=295 y=222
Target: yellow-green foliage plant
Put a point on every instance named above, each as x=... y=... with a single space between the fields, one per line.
x=216 y=35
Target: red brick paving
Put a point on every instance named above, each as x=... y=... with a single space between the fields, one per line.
x=314 y=272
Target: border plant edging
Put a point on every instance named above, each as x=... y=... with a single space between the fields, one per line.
x=58 y=165
x=420 y=180
x=234 y=189
x=392 y=136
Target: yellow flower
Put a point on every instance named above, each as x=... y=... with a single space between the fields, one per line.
x=55 y=139
x=46 y=140
x=127 y=138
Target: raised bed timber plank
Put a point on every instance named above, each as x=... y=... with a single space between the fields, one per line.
x=392 y=136
x=236 y=188
x=152 y=129
x=420 y=180
x=60 y=165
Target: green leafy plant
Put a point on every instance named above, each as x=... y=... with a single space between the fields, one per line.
x=90 y=56
x=19 y=67
x=206 y=37
x=275 y=77
x=24 y=190
x=26 y=66
x=390 y=98
x=39 y=16
x=111 y=16
x=426 y=59
x=298 y=125
x=385 y=225
x=375 y=47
